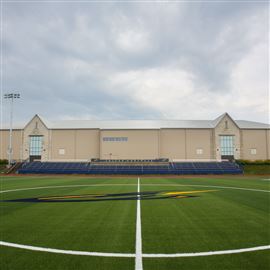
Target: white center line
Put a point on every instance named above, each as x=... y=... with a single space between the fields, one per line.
x=138 y=258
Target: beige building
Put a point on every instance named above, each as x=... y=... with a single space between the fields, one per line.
x=177 y=140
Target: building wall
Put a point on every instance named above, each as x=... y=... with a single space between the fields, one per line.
x=63 y=140
x=255 y=139
x=197 y=139
x=87 y=144
x=66 y=144
x=84 y=144
x=141 y=144
x=268 y=143
x=16 y=144
x=173 y=143
x=185 y=143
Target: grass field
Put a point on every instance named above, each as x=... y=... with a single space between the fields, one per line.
x=178 y=215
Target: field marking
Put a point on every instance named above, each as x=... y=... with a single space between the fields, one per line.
x=188 y=192
x=131 y=255
x=70 y=252
x=207 y=253
x=48 y=187
x=176 y=185
x=138 y=259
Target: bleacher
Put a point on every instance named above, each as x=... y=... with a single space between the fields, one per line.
x=137 y=168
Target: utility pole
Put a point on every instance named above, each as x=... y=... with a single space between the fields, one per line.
x=10 y=96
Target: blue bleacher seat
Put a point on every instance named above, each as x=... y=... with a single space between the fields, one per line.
x=177 y=168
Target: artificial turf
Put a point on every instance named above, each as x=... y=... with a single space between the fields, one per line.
x=221 y=219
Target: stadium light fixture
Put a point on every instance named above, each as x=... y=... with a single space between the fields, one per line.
x=11 y=97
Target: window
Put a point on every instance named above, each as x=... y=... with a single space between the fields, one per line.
x=115 y=139
x=253 y=151
x=199 y=151
x=62 y=151
x=35 y=146
x=227 y=145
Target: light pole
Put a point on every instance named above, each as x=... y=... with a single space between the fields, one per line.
x=10 y=96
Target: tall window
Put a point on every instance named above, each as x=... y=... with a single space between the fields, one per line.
x=227 y=145
x=35 y=146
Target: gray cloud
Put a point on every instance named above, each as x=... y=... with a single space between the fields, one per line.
x=136 y=60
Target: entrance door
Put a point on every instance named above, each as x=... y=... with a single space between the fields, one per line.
x=34 y=158
x=227 y=147
x=35 y=148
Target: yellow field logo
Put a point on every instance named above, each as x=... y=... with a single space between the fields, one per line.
x=145 y=195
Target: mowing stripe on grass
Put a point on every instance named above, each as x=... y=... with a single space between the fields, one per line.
x=138 y=259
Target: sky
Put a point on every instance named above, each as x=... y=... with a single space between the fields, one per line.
x=136 y=60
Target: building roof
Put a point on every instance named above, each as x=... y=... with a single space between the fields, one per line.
x=149 y=124
x=146 y=124
x=251 y=125
x=130 y=124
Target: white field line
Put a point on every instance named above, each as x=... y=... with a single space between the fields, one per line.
x=48 y=187
x=138 y=258
x=208 y=253
x=102 y=185
x=70 y=252
x=131 y=255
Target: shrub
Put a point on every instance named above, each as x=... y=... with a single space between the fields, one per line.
x=3 y=161
x=254 y=162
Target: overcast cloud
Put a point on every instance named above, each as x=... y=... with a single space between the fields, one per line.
x=137 y=60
